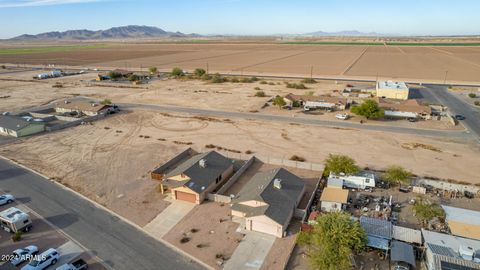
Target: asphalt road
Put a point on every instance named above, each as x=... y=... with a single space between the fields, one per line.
x=300 y=120
x=456 y=106
x=119 y=244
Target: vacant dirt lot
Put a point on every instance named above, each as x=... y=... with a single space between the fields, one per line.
x=462 y=63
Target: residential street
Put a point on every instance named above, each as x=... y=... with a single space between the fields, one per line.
x=119 y=244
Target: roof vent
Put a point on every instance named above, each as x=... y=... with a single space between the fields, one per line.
x=94 y=104
x=277 y=183
x=202 y=163
x=66 y=102
x=466 y=252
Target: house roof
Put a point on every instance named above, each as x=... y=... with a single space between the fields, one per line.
x=81 y=105
x=200 y=177
x=332 y=194
x=447 y=244
x=391 y=85
x=410 y=105
x=463 y=222
x=15 y=123
x=407 y=235
x=334 y=182
x=402 y=252
x=377 y=227
x=279 y=202
x=450 y=263
x=327 y=99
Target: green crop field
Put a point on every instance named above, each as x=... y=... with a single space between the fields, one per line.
x=379 y=43
x=32 y=50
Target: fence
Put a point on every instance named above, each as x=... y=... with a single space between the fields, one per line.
x=71 y=123
x=444 y=185
x=218 y=198
x=236 y=176
x=158 y=172
x=310 y=201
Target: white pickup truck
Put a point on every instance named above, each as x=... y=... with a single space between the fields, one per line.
x=76 y=265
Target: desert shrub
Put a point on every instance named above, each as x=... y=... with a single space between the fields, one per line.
x=296 y=85
x=177 y=72
x=17 y=236
x=209 y=146
x=133 y=78
x=279 y=101
x=152 y=70
x=472 y=95
x=217 y=78
x=309 y=93
x=57 y=85
x=114 y=75
x=106 y=102
x=249 y=152
x=257 y=88
x=194 y=230
x=271 y=83
x=185 y=239
x=263 y=82
x=201 y=245
x=199 y=72
x=259 y=93
x=309 y=80
x=206 y=77
x=297 y=158
x=234 y=80
x=3 y=66
x=477 y=103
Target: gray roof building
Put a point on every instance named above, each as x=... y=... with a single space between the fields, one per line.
x=279 y=201
x=200 y=176
x=17 y=126
x=402 y=252
x=13 y=122
x=379 y=232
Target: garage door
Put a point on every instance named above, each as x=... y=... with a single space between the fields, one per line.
x=263 y=227
x=185 y=196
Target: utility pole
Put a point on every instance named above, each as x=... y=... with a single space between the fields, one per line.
x=311 y=72
x=445 y=79
x=207 y=67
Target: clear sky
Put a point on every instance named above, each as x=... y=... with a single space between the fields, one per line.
x=250 y=17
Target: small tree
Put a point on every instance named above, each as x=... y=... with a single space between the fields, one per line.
x=199 y=72
x=340 y=164
x=333 y=240
x=177 y=72
x=3 y=67
x=369 y=109
x=153 y=70
x=217 y=78
x=472 y=95
x=477 y=103
x=133 y=78
x=309 y=80
x=397 y=175
x=114 y=75
x=426 y=210
x=106 y=102
x=279 y=101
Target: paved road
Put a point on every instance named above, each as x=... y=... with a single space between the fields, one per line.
x=300 y=120
x=120 y=245
x=456 y=106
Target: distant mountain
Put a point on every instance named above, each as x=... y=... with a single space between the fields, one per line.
x=350 y=33
x=122 y=32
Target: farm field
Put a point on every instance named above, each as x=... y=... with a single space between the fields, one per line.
x=417 y=63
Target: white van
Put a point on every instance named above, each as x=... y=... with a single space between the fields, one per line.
x=14 y=220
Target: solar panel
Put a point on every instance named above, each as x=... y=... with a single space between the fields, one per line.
x=452 y=266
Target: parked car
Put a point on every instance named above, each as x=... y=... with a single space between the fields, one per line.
x=459 y=117
x=23 y=254
x=468 y=194
x=6 y=199
x=404 y=189
x=76 y=265
x=411 y=119
x=342 y=116
x=44 y=260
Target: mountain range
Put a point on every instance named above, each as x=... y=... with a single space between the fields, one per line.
x=122 y=32
x=350 y=33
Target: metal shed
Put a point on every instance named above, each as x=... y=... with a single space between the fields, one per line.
x=402 y=252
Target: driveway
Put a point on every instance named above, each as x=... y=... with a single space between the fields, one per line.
x=168 y=218
x=251 y=252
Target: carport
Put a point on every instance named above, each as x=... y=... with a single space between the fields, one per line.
x=402 y=253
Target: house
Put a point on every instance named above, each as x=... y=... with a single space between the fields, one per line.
x=392 y=90
x=82 y=106
x=359 y=91
x=267 y=203
x=17 y=126
x=379 y=232
x=402 y=255
x=316 y=102
x=404 y=109
x=463 y=222
x=407 y=235
x=445 y=251
x=361 y=180
x=124 y=73
x=202 y=173
x=333 y=199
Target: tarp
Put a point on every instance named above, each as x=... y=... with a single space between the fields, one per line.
x=377 y=242
x=402 y=252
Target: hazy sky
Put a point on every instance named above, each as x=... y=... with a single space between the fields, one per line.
x=255 y=17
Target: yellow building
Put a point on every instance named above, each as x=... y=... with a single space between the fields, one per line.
x=392 y=90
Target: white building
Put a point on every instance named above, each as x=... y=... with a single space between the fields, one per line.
x=392 y=90
x=333 y=199
x=361 y=180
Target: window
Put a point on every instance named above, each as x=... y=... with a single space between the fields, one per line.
x=25 y=221
x=367 y=180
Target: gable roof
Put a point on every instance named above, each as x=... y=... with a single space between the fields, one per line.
x=334 y=194
x=15 y=123
x=200 y=177
x=410 y=105
x=463 y=222
x=82 y=105
x=280 y=202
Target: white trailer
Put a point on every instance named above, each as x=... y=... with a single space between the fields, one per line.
x=312 y=105
x=56 y=73
x=15 y=220
x=360 y=181
x=43 y=76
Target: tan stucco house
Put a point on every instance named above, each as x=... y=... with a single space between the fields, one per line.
x=86 y=107
x=192 y=180
x=268 y=201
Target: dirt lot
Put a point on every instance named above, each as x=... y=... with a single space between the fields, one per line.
x=216 y=233
x=463 y=63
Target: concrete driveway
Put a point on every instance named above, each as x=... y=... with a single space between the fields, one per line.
x=168 y=218
x=251 y=252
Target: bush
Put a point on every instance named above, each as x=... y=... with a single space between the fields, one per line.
x=199 y=72
x=114 y=75
x=340 y=164
x=257 y=88
x=153 y=70
x=369 y=109
x=309 y=80
x=185 y=240
x=279 y=101
x=297 y=158
x=217 y=78
x=309 y=93
x=17 y=236
x=296 y=85
x=106 y=102
x=177 y=72
x=263 y=82
x=477 y=103
x=271 y=83
x=472 y=95
x=206 y=77
x=3 y=66
x=234 y=80
x=133 y=78
x=260 y=93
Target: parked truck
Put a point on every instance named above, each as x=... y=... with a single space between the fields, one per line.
x=15 y=220
x=76 y=265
